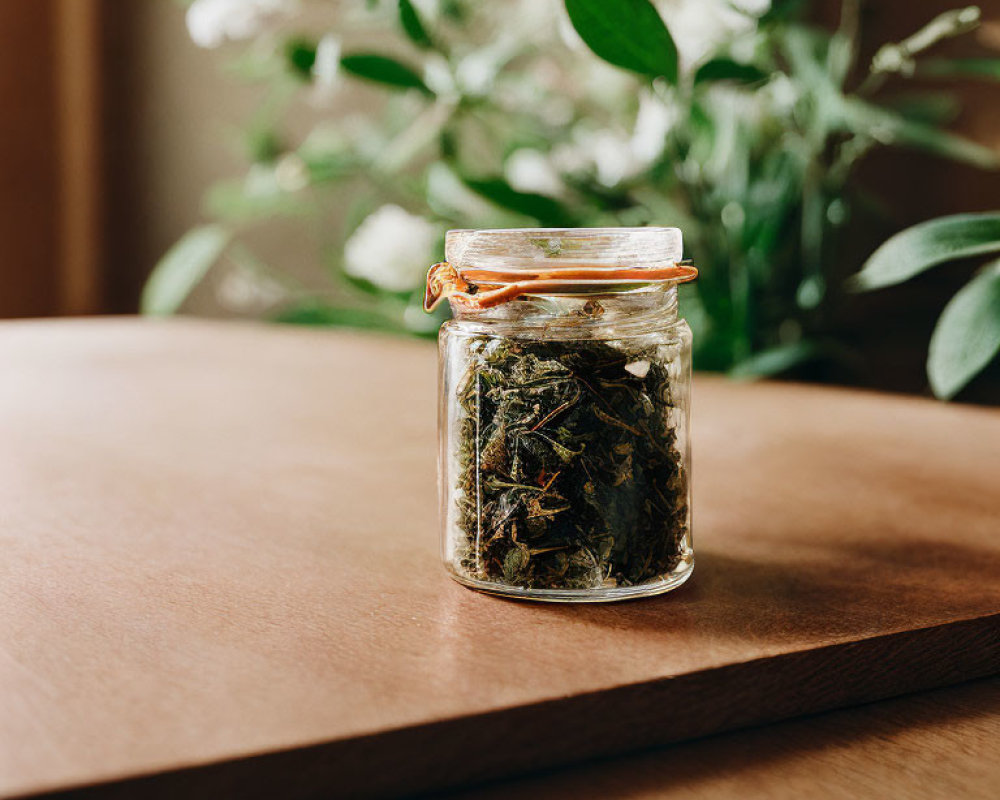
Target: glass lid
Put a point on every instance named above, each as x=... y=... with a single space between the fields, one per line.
x=487 y=267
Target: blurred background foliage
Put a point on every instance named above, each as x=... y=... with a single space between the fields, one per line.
x=739 y=122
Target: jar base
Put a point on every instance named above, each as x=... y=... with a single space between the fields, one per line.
x=601 y=594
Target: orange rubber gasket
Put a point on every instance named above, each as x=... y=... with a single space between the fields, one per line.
x=467 y=286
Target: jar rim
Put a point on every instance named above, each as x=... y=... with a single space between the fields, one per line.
x=495 y=265
x=531 y=249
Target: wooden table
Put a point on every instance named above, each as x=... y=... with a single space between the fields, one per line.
x=220 y=572
x=927 y=746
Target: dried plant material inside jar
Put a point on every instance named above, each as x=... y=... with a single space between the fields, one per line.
x=564 y=456
x=569 y=472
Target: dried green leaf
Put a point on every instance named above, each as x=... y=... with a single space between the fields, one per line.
x=573 y=462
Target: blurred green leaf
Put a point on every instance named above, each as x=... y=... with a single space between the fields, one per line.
x=811 y=291
x=322 y=315
x=255 y=66
x=547 y=210
x=626 y=33
x=182 y=268
x=704 y=133
x=961 y=68
x=300 y=55
x=946 y=144
x=840 y=57
x=967 y=335
x=933 y=108
x=384 y=70
x=725 y=69
x=327 y=167
x=263 y=145
x=891 y=128
x=360 y=284
x=455 y=10
x=327 y=154
x=782 y=10
x=232 y=202
x=413 y=26
x=928 y=244
x=420 y=322
x=807 y=51
x=776 y=360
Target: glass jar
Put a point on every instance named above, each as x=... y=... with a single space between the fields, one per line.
x=565 y=377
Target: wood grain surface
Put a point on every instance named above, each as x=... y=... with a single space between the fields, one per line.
x=927 y=746
x=220 y=572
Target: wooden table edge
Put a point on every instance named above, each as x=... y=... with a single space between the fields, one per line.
x=456 y=752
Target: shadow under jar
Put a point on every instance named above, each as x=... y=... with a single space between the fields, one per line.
x=565 y=374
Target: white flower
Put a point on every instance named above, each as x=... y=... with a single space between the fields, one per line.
x=738 y=105
x=783 y=94
x=700 y=27
x=212 y=22
x=249 y=292
x=605 y=152
x=529 y=170
x=291 y=173
x=477 y=71
x=568 y=34
x=391 y=248
x=438 y=76
x=327 y=65
x=653 y=122
x=755 y=8
x=604 y=83
x=429 y=10
x=614 y=156
x=447 y=194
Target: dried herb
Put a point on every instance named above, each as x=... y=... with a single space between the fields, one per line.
x=569 y=468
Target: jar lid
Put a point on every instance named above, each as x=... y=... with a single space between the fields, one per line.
x=487 y=267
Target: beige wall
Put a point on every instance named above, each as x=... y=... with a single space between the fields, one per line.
x=175 y=119
x=171 y=116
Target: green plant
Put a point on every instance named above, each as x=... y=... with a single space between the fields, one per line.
x=499 y=115
x=967 y=335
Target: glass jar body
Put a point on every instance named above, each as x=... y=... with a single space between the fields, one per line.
x=564 y=465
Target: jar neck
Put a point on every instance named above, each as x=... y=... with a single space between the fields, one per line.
x=640 y=308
